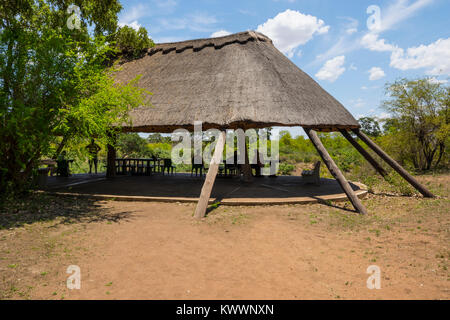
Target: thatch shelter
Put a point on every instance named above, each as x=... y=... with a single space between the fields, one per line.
x=239 y=81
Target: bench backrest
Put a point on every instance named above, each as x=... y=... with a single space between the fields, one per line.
x=317 y=168
x=48 y=162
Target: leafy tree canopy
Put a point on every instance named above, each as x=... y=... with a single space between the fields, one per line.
x=55 y=88
x=421 y=119
x=132 y=43
x=370 y=126
x=132 y=145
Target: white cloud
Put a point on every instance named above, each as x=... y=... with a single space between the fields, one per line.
x=434 y=80
x=169 y=39
x=351 y=26
x=370 y=87
x=290 y=29
x=383 y=115
x=435 y=57
x=370 y=41
x=220 y=33
x=332 y=69
x=358 y=103
x=202 y=18
x=133 y=24
x=396 y=12
x=345 y=42
x=353 y=67
x=392 y=15
x=200 y=22
x=133 y=14
x=399 y=11
x=166 y=4
x=247 y=12
x=376 y=73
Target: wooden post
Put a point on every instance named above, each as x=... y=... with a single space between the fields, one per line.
x=111 y=162
x=364 y=153
x=246 y=167
x=383 y=155
x=111 y=158
x=337 y=174
x=202 y=204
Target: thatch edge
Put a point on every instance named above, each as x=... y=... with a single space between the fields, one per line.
x=235 y=125
x=217 y=43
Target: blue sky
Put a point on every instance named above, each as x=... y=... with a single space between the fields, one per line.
x=350 y=52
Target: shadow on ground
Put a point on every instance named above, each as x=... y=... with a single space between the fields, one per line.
x=39 y=207
x=185 y=186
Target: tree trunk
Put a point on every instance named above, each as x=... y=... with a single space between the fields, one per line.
x=60 y=147
x=111 y=160
x=441 y=153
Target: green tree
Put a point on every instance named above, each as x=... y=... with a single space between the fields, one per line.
x=54 y=88
x=370 y=126
x=132 y=43
x=132 y=145
x=159 y=138
x=155 y=138
x=420 y=110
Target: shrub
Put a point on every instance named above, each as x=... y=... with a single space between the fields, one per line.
x=286 y=169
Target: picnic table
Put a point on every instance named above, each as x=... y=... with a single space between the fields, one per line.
x=60 y=167
x=138 y=166
x=51 y=166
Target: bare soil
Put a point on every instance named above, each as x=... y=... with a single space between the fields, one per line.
x=133 y=250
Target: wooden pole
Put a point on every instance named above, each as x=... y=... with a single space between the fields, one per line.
x=383 y=155
x=337 y=174
x=202 y=204
x=246 y=167
x=111 y=162
x=364 y=153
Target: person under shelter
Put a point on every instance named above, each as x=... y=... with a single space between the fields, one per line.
x=93 y=150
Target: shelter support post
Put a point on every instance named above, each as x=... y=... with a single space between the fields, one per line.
x=364 y=153
x=202 y=205
x=111 y=162
x=337 y=174
x=383 y=155
x=246 y=167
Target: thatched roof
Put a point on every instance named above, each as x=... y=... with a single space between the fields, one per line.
x=240 y=80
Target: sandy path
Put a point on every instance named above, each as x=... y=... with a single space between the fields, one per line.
x=160 y=252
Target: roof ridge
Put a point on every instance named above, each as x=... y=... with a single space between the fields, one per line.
x=218 y=43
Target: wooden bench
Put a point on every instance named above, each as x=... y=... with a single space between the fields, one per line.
x=51 y=164
x=312 y=176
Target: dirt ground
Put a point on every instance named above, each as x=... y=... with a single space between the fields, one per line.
x=131 y=250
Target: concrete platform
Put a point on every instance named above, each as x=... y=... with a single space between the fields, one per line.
x=184 y=188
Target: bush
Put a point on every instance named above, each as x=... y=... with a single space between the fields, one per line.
x=133 y=43
x=160 y=150
x=285 y=169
